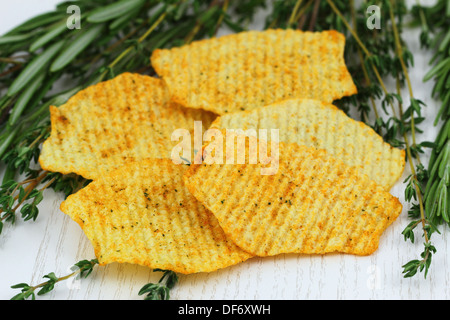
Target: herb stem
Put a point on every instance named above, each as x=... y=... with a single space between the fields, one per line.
x=361 y=58
x=83 y=267
x=315 y=12
x=10 y=60
x=43 y=284
x=303 y=10
x=404 y=68
x=39 y=137
x=366 y=51
x=142 y=38
x=413 y=171
x=47 y=184
x=294 y=12
x=153 y=27
x=413 y=133
x=30 y=188
x=11 y=70
x=115 y=45
x=349 y=27
x=222 y=16
x=199 y=23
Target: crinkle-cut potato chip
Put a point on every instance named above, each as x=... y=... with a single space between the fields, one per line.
x=128 y=118
x=313 y=203
x=246 y=70
x=323 y=126
x=141 y=213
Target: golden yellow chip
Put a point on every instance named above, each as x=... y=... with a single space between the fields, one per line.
x=128 y=118
x=250 y=69
x=322 y=125
x=143 y=214
x=312 y=204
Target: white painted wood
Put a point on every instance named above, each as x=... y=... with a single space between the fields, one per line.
x=53 y=243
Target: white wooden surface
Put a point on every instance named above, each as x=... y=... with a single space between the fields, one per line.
x=53 y=243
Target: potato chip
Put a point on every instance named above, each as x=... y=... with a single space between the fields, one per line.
x=141 y=213
x=128 y=118
x=313 y=203
x=249 y=69
x=324 y=126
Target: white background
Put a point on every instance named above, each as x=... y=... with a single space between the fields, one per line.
x=53 y=243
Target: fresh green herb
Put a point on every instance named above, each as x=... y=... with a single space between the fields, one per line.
x=82 y=269
x=160 y=290
x=434 y=22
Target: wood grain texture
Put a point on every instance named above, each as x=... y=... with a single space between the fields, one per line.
x=53 y=243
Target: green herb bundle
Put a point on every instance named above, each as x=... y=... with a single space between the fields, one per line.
x=435 y=25
x=43 y=55
x=434 y=22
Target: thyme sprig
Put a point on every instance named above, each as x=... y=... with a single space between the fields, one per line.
x=82 y=269
x=160 y=290
x=413 y=188
x=14 y=194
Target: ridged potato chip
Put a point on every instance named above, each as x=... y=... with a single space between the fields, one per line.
x=128 y=118
x=246 y=70
x=141 y=213
x=313 y=203
x=323 y=126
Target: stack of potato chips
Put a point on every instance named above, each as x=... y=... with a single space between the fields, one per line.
x=329 y=189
